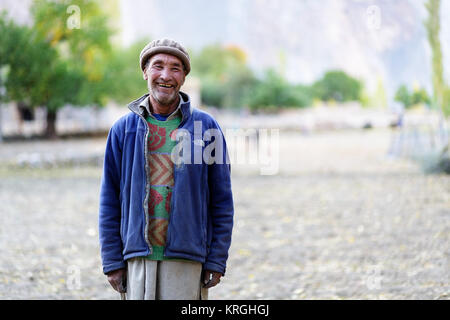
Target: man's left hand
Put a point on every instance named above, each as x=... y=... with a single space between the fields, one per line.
x=211 y=278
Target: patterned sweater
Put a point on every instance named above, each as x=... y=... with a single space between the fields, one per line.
x=160 y=145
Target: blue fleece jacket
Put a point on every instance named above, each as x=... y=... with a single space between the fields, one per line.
x=201 y=214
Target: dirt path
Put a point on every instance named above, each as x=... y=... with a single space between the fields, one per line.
x=340 y=220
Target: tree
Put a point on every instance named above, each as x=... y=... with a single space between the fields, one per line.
x=410 y=99
x=441 y=93
x=37 y=76
x=82 y=49
x=224 y=75
x=402 y=96
x=273 y=91
x=53 y=64
x=337 y=85
x=420 y=96
x=433 y=27
x=124 y=76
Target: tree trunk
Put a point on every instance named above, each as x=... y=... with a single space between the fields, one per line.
x=50 y=130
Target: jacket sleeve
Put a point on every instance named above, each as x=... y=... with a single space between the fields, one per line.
x=220 y=209
x=110 y=208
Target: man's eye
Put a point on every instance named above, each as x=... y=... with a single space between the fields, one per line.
x=157 y=66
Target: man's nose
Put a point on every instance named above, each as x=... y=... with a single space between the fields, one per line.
x=165 y=74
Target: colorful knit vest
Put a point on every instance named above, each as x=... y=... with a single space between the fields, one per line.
x=160 y=145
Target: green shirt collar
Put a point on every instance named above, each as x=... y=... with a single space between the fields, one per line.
x=177 y=112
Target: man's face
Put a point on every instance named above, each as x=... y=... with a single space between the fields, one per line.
x=165 y=76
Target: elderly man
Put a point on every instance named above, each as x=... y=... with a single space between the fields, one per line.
x=166 y=207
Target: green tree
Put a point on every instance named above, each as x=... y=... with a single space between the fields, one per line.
x=53 y=64
x=420 y=96
x=124 y=75
x=273 y=92
x=410 y=99
x=82 y=52
x=433 y=27
x=37 y=77
x=337 y=85
x=224 y=75
x=402 y=95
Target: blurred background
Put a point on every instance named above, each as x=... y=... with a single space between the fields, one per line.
x=354 y=94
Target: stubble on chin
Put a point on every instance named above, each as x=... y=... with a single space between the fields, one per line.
x=162 y=99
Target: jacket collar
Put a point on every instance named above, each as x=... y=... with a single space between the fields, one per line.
x=137 y=107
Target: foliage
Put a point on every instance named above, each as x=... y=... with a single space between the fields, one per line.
x=274 y=91
x=85 y=50
x=402 y=95
x=38 y=77
x=337 y=85
x=446 y=101
x=441 y=93
x=438 y=162
x=433 y=27
x=124 y=75
x=420 y=96
x=227 y=81
x=410 y=99
x=224 y=75
x=54 y=64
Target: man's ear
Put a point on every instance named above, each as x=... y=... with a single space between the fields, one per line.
x=144 y=74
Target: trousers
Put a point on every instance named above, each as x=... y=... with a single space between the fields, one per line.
x=164 y=280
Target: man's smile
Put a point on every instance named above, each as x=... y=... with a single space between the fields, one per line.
x=165 y=85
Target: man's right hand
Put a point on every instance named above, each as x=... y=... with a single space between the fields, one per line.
x=118 y=280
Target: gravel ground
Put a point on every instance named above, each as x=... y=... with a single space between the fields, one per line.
x=340 y=220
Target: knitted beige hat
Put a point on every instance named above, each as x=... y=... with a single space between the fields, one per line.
x=165 y=46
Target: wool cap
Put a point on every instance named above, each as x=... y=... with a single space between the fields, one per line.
x=165 y=46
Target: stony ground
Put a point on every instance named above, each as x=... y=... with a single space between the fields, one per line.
x=340 y=220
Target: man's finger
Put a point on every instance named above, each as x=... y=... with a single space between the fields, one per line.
x=118 y=282
x=114 y=284
x=206 y=277
x=123 y=283
x=212 y=283
x=215 y=279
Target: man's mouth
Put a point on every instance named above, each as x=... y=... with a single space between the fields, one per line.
x=164 y=85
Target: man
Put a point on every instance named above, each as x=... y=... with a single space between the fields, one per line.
x=166 y=214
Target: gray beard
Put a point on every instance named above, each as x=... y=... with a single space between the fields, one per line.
x=164 y=102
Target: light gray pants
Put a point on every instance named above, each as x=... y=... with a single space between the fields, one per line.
x=164 y=280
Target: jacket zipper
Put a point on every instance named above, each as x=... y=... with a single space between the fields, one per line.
x=147 y=186
x=183 y=120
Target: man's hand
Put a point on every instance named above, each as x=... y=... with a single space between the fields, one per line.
x=118 y=280
x=211 y=278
